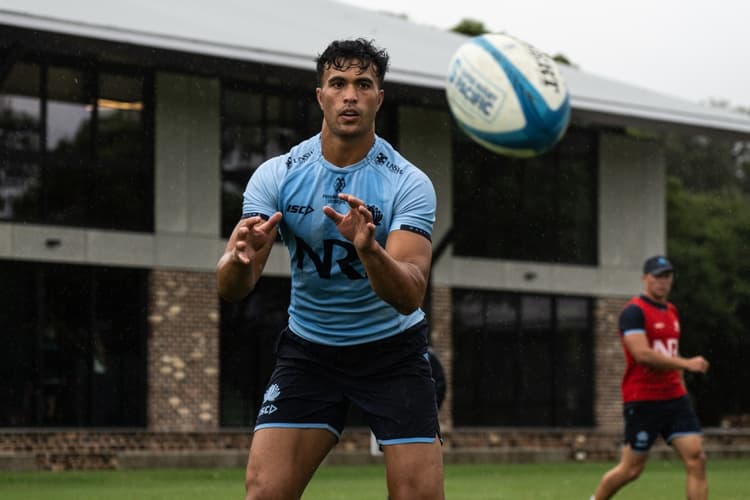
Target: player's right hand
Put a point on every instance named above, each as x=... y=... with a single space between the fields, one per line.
x=251 y=235
x=697 y=364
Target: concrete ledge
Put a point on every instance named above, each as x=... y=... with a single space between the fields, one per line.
x=18 y=462
x=217 y=459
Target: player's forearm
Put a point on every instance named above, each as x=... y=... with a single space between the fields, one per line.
x=234 y=279
x=401 y=284
x=658 y=361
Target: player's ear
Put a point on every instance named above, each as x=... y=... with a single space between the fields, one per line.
x=381 y=96
x=318 y=91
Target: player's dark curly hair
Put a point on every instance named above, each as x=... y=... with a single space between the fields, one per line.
x=340 y=52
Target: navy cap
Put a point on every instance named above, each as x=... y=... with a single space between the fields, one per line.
x=656 y=265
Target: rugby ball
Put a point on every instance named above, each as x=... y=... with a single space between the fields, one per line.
x=507 y=95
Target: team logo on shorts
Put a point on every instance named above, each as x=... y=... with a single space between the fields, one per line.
x=272 y=393
x=641 y=438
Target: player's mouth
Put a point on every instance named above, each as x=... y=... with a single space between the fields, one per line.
x=349 y=113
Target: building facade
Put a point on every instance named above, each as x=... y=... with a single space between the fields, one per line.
x=122 y=165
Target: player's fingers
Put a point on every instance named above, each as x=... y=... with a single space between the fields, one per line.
x=271 y=223
x=353 y=201
x=333 y=214
x=365 y=212
x=240 y=252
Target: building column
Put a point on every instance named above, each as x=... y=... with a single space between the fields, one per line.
x=609 y=363
x=183 y=351
x=441 y=337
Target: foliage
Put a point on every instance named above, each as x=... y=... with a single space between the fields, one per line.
x=709 y=164
x=708 y=240
x=470 y=27
x=563 y=59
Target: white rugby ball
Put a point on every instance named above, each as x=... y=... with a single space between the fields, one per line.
x=507 y=95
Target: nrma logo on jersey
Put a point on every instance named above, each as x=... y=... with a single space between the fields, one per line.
x=668 y=348
x=324 y=265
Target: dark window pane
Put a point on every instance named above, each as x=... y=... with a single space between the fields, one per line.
x=538 y=209
x=120 y=132
x=20 y=115
x=69 y=110
x=118 y=347
x=249 y=330
x=75 y=345
x=19 y=316
x=96 y=169
x=20 y=110
x=20 y=188
x=521 y=360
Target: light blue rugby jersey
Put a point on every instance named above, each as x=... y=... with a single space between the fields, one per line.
x=332 y=302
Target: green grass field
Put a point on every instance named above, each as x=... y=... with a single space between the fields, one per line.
x=662 y=480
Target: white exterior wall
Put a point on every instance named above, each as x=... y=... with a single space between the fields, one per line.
x=632 y=201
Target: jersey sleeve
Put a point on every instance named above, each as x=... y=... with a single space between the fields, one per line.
x=414 y=208
x=632 y=320
x=261 y=196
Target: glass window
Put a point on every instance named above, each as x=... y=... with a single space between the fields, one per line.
x=122 y=185
x=521 y=360
x=75 y=147
x=20 y=122
x=75 y=341
x=538 y=209
x=249 y=330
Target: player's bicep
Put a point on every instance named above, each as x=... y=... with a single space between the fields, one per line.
x=412 y=248
x=636 y=343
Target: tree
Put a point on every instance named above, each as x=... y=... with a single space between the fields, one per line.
x=470 y=27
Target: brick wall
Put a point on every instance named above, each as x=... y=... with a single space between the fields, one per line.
x=442 y=343
x=609 y=363
x=183 y=346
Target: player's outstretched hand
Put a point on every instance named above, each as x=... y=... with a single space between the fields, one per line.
x=697 y=364
x=251 y=235
x=357 y=225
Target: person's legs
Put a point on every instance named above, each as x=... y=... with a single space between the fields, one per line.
x=282 y=461
x=414 y=471
x=690 y=448
x=630 y=467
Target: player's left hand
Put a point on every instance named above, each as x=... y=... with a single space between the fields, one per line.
x=357 y=225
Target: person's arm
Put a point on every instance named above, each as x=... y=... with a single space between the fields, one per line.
x=245 y=256
x=399 y=272
x=638 y=346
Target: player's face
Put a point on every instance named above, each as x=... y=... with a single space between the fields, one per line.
x=657 y=287
x=350 y=99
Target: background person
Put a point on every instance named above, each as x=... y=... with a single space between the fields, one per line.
x=653 y=388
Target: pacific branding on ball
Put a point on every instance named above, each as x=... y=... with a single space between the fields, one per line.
x=508 y=96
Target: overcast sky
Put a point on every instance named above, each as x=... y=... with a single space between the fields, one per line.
x=693 y=49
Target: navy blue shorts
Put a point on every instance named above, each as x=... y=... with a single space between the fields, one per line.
x=313 y=385
x=646 y=420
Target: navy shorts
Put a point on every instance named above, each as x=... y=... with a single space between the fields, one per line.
x=645 y=420
x=313 y=385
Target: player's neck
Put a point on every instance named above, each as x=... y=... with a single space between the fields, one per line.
x=653 y=298
x=343 y=151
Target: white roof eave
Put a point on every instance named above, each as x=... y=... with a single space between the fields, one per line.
x=421 y=65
